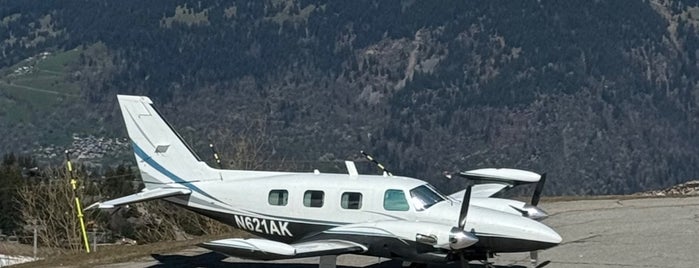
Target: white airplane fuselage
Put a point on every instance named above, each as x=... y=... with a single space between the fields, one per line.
x=316 y=214
x=244 y=203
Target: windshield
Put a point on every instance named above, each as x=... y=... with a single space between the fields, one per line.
x=424 y=196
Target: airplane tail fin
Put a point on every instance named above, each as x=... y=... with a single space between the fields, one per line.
x=161 y=154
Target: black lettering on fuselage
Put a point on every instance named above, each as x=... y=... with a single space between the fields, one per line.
x=263 y=226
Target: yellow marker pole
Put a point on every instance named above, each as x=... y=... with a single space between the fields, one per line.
x=74 y=183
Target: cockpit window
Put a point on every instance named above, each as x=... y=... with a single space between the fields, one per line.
x=424 y=196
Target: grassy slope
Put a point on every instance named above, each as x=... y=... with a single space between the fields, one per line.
x=46 y=84
x=30 y=96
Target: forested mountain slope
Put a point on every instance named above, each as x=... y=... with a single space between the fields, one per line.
x=602 y=95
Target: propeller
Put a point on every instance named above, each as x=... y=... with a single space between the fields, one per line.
x=531 y=210
x=537 y=191
x=540 y=215
x=464 y=207
x=460 y=238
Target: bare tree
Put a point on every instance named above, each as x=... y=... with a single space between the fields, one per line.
x=249 y=149
x=50 y=204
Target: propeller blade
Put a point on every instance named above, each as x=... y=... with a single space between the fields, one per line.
x=464 y=207
x=538 y=189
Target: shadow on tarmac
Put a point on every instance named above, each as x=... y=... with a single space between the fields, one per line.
x=213 y=259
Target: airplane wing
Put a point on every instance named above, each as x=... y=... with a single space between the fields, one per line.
x=337 y=241
x=490 y=181
x=144 y=195
x=263 y=249
x=481 y=190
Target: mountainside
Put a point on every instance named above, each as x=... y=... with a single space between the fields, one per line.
x=601 y=95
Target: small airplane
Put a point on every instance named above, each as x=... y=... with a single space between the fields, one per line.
x=299 y=215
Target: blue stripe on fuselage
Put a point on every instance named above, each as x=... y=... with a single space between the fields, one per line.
x=142 y=154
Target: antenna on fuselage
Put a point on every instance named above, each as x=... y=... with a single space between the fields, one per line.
x=383 y=169
x=216 y=157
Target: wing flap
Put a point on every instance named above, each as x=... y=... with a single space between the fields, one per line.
x=144 y=195
x=327 y=247
x=263 y=249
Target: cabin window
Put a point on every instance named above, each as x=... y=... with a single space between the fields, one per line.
x=351 y=200
x=394 y=200
x=278 y=197
x=313 y=199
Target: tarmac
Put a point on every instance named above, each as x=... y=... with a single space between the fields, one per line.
x=623 y=232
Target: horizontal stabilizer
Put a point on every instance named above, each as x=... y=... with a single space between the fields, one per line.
x=263 y=249
x=144 y=195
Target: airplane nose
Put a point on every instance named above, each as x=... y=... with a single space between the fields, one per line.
x=542 y=236
x=550 y=236
x=558 y=239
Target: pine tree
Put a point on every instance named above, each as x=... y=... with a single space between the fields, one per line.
x=10 y=181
